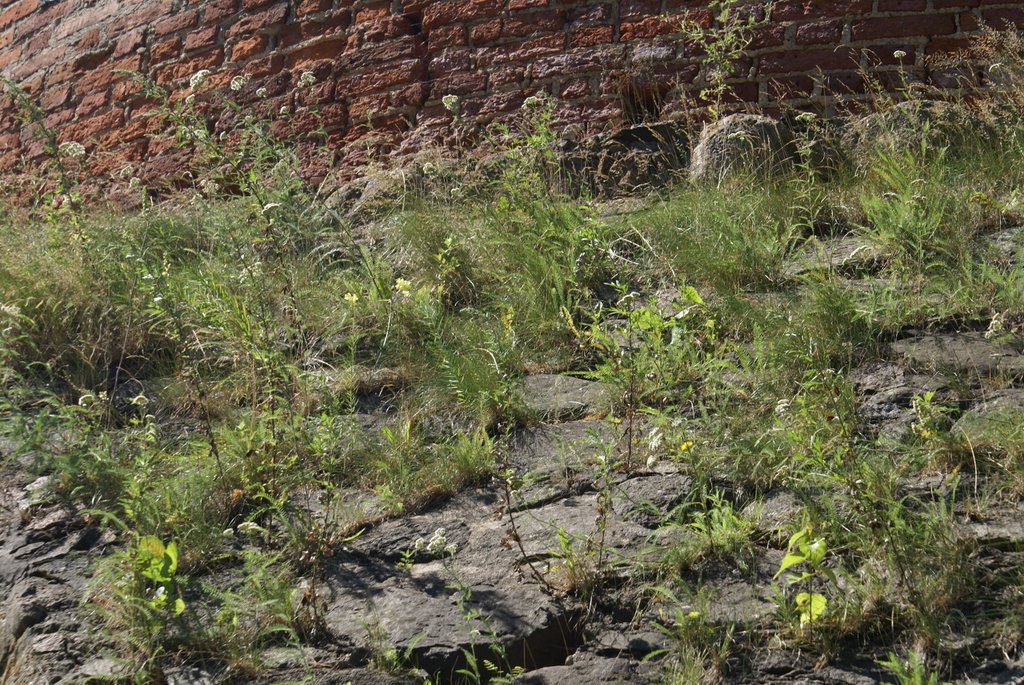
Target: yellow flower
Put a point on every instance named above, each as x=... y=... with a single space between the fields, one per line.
x=403 y=286
x=686 y=445
x=351 y=298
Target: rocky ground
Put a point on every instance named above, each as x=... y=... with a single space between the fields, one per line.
x=518 y=555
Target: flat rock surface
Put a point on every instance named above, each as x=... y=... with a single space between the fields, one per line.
x=966 y=353
x=553 y=397
x=847 y=255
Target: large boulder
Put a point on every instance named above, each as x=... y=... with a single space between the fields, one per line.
x=741 y=142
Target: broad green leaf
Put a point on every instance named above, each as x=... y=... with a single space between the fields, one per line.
x=790 y=559
x=811 y=606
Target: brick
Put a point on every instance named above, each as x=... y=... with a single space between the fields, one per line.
x=774 y=35
x=954 y=4
x=165 y=50
x=646 y=28
x=576 y=62
x=372 y=11
x=219 y=9
x=638 y=8
x=461 y=83
x=311 y=7
x=516 y=5
x=522 y=51
x=129 y=43
x=371 y=56
x=819 y=33
x=201 y=38
x=324 y=50
x=447 y=12
x=788 y=10
x=301 y=31
x=1003 y=18
x=808 y=60
x=252 y=5
x=902 y=5
x=968 y=21
x=591 y=35
x=246 y=48
x=90 y=104
x=178 y=22
x=266 y=21
x=445 y=36
x=19 y=10
x=384 y=78
x=898 y=27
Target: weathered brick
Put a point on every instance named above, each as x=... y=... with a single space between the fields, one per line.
x=591 y=35
x=16 y=11
x=245 y=48
x=808 y=60
x=819 y=32
x=201 y=38
x=266 y=21
x=178 y=22
x=324 y=50
x=902 y=5
x=898 y=27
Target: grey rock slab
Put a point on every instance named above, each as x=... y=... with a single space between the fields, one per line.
x=740 y=141
x=577 y=518
x=969 y=353
x=553 y=397
x=998 y=416
x=1006 y=247
x=647 y=498
x=587 y=669
x=555 y=460
x=885 y=394
x=998 y=528
x=369 y=598
x=849 y=255
x=775 y=513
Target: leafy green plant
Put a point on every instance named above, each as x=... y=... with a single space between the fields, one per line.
x=721 y=44
x=912 y=671
x=804 y=549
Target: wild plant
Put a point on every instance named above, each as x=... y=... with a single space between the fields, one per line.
x=808 y=604
x=721 y=45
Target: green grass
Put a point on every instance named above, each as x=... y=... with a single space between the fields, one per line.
x=257 y=332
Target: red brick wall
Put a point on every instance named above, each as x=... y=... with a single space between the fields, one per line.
x=382 y=66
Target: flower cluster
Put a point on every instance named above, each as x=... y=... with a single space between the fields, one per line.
x=197 y=79
x=437 y=545
x=238 y=82
x=451 y=103
x=307 y=79
x=71 y=150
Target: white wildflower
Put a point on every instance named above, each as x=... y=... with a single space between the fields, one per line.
x=209 y=186
x=71 y=149
x=238 y=82
x=249 y=528
x=261 y=92
x=450 y=549
x=190 y=100
x=284 y=111
x=899 y=54
x=531 y=102
x=451 y=103
x=198 y=78
x=134 y=182
x=437 y=542
x=429 y=169
x=307 y=79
